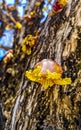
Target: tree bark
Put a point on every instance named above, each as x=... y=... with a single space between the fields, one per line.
x=27 y=106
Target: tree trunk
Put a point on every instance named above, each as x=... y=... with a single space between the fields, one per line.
x=27 y=106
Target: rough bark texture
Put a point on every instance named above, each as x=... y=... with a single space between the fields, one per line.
x=27 y=106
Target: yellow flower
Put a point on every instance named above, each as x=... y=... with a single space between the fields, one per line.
x=63 y=2
x=46 y=78
x=32 y=13
x=18 y=25
x=28 y=42
x=63 y=81
x=27 y=50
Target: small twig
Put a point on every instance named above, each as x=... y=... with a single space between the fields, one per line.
x=5 y=48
